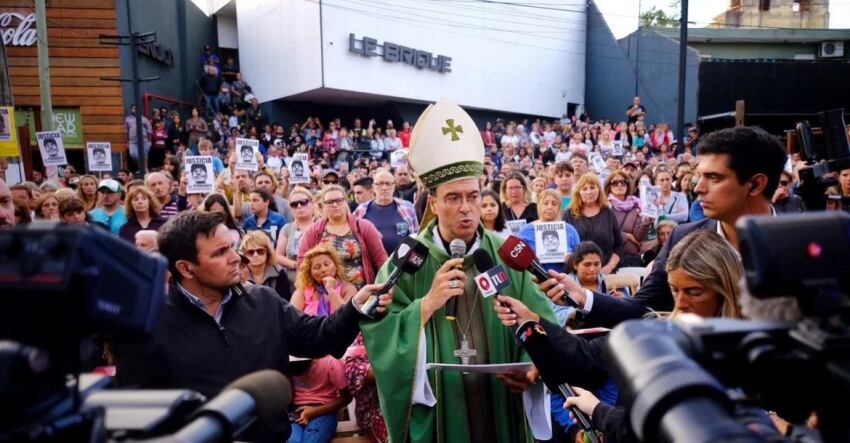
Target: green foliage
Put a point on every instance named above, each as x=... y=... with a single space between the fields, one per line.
x=657 y=18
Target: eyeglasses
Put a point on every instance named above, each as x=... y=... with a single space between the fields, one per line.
x=253 y=252
x=456 y=201
x=384 y=183
x=618 y=183
x=334 y=201
x=297 y=204
x=329 y=182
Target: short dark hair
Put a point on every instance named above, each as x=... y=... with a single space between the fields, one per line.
x=198 y=166
x=551 y=233
x=564 y=166
x=267 y=197
x=177 y=237
x=365 y=182
x=579 y=155
x=71 y=205
x=751 y=151
x=583 y=249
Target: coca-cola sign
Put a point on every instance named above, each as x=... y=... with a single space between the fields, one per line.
x=17 y=29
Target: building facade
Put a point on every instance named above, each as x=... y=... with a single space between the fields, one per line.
x=504 y=58
x=799 y=14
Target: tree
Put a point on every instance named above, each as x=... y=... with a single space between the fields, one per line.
x=657 y=18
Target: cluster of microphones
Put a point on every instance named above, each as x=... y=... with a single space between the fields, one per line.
x=410 y=256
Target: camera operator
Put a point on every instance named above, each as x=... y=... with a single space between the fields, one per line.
x=702 y=271
x=213 y=331
x=739 y=169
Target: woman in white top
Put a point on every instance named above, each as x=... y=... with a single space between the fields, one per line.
x=673 y=205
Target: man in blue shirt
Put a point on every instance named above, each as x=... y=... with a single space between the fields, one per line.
x=111 y=211
x=395 y=218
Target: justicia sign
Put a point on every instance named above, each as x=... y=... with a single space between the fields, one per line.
x=17 y=29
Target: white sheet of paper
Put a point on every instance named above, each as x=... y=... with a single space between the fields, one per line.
x=299 y=171
x=502 y=368
x=550 y=241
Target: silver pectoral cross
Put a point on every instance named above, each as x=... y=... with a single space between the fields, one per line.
x=465 y=352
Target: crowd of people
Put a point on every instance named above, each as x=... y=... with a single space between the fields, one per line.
x=620 y=188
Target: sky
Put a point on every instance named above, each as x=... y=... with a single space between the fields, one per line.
x=621 y=15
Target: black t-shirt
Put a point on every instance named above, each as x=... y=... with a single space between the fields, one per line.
x=633 y=118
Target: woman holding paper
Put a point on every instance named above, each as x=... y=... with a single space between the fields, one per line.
x=673 y=205
x=550 y=211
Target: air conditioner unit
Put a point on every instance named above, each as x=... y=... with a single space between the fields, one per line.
x=831 y=49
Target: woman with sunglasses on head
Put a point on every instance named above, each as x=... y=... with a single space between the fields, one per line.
x=304 y=211
x=262 y=263
x=357 y=241
x=626 y=207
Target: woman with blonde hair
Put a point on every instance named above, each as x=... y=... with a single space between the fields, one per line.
x=702 y=271
x=262 y=263
x=304 y=211
x=320 y=287
x=142 y=209
x=87 y=191
x=595 y=221
x=47 y=207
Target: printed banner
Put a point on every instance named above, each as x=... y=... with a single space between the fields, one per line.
x=550 y=240
x=299 y=169
x=8 y=133
x=201 y=175
x=52 y=148
x=99 y=156
x=246 y=154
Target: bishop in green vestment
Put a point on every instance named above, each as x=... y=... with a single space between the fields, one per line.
x=393 y=346
x=447 y=153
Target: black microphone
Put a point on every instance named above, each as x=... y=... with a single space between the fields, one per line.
x=264 y=394
x=407 y=258
x=492 y=279
x=458 y=249
x=518 y=255
x=534 y=339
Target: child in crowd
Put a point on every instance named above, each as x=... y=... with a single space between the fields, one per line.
x=320 y=390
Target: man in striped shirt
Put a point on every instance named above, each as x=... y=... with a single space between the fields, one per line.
x=172 y=203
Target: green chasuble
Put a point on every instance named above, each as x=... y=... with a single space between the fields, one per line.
x=393 y=346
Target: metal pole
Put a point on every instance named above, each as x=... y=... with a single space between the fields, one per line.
x=637 y=51
x=137 y=101
x=683 y=61
x=43 y=65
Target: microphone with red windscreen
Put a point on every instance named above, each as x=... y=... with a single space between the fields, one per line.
x=518 y=255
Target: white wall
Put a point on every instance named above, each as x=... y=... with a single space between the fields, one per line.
x=509 y=58
x=227 y=32
x=524 y=59
x=279 y=46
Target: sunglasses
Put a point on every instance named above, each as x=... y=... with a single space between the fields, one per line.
x=784 y=183
x=297 y=204
x=253 y=252
x=329 y=182
x=618 y=183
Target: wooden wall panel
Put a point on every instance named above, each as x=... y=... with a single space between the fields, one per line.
x=77 y=61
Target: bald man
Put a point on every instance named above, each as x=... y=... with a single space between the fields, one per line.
x=395 y=218
x=7 y=207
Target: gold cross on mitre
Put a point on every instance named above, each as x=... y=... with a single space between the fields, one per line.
x=453 y=129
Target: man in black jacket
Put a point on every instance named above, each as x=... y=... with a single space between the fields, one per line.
x=213 y=331
x=739 y=172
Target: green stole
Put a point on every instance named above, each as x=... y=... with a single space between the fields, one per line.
x=393 y=344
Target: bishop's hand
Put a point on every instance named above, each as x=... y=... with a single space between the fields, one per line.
x=448 y=282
